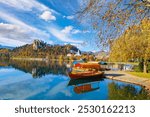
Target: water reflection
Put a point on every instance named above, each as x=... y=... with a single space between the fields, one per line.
x=85 y=85
x=126 y=92
x=32 y=80
x=36 y=68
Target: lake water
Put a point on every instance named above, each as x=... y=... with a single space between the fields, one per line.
x=26 y=80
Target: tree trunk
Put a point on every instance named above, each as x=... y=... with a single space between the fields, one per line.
x=145 y=67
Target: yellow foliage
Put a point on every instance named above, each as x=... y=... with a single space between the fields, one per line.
x=133 y=44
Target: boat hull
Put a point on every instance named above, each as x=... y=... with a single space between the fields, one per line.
x=88 y=66
x=85 y=75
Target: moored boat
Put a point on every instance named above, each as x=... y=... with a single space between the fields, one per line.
x=87 y=74
x=88 y=66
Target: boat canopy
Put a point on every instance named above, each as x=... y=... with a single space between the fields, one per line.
x=78 y=61
x=102 y=63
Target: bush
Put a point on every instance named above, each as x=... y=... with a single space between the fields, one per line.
x=148 y=67
x=136 y=69
x=139 y=68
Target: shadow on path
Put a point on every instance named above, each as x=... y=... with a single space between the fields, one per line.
x=114 y=75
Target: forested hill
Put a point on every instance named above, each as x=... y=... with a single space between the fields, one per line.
x=40 y=49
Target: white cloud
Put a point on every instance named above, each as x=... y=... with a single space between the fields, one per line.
x=71 y=30
x=77 y=45
x=86 y=31
x=67 y=29
x=69 y=17
x=13 y=35
x=47 y=16
x=63 y=36
x=60 y=88
x=76 y=31
x=13 y=31
x=11 y=42
x=19 y=31
x=26 y=5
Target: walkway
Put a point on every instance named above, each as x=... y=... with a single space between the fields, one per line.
x=123 y=76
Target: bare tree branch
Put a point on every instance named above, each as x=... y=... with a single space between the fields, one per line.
x=110 y=18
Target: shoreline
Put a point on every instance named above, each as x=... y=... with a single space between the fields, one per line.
x=30 y=59
x=38 y=59
x=113 y=75
x=125 y=77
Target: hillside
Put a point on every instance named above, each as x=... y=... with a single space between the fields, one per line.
x=39 y=49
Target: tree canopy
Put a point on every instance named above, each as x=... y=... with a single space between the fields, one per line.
x=133 y=44
x=110 y=18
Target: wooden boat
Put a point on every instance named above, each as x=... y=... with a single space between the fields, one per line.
x=88 y=66
x=86 y=74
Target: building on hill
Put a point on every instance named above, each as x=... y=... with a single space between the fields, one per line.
x=73 y=51
x=69 y=54
x=78 y=53
x=38 y=44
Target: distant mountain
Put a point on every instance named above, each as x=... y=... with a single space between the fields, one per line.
x=7 y=47
x=101 y=54
x=87 y=52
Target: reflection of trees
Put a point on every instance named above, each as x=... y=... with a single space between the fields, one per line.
x=38 y=68
x=4 y=62
x=126 y=92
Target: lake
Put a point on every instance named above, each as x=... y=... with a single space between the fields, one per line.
x=32 y=80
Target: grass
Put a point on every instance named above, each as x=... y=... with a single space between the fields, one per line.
x=132 y=63
x=140 y=74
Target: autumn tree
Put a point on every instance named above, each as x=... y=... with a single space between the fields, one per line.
x=110 y=18
x=133 y=44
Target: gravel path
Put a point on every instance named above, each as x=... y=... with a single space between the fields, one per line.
x=123 y=76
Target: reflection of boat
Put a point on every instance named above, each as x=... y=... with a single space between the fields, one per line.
x=85 y=74
x=84 y=81
x=84 y=88
x=85 y=85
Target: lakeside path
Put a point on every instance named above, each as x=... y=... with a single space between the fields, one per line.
x=125 y=77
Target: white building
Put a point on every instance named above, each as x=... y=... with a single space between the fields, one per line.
x=78 y=53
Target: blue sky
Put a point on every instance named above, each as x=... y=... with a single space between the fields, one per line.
x=53 y=21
